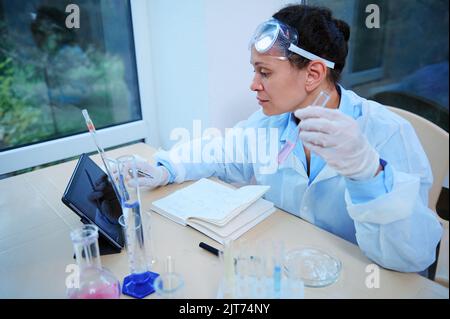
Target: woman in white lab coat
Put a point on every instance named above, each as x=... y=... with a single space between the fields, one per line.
x=357 y=170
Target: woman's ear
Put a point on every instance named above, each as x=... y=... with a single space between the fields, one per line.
x=316 y=72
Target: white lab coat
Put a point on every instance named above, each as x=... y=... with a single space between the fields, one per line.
x=396 y=229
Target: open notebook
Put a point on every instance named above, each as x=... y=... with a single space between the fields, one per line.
x=218 y=211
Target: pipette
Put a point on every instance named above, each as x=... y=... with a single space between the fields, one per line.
x=101 y=152
x=321 y=100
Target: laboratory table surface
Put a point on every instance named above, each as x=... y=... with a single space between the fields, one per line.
x=35 y=246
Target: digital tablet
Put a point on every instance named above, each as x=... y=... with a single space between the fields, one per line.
x=90 y=195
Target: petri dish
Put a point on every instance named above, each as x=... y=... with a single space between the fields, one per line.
x=315 y=267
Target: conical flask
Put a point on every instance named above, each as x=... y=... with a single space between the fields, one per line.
x=92 y=280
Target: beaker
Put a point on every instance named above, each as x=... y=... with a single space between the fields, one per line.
x=140 y=282
x=93 y=280
x=169 y=285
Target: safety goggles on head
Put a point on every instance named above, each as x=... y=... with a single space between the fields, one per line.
x=281 y=40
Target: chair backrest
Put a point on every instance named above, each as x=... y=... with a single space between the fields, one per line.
x=441 y=275
x=422 y=106
x=435 y=143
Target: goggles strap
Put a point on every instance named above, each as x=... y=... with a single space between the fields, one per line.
x=309 y=55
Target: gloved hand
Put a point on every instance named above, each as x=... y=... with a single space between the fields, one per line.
x=159 y=174
x=337 y=138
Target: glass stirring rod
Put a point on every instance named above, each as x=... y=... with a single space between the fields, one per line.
x=321 y=100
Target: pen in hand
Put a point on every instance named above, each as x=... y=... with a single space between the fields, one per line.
x=140 y=173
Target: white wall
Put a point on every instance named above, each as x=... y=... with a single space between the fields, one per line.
x=231 y=24
x=179 y=60
x=201 y=62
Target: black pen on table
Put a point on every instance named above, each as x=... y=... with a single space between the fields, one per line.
x=216 y=251
x=209 y=248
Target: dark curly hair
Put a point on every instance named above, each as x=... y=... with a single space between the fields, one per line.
x=319 y=33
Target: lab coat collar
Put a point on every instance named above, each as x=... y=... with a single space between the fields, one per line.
x=290 y=129
x=326 y=173
x=347 y=105
x=293 y=162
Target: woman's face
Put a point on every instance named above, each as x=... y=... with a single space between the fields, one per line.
x=279 y=86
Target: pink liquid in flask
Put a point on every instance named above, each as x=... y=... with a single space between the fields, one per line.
x=98 y=292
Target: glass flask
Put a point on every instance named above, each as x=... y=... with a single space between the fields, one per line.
x=92 y=281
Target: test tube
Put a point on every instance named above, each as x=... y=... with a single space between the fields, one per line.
x=242 y=269
x=228 y=267
x=257 y=268
x=278 y=257
x=321 y=100
x=294 y=287
x=169 y=264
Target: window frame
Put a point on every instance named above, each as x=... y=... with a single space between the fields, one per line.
x=146 y=129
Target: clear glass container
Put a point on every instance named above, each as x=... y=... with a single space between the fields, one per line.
x=313 y=266
x=139 y=283
x=92 y=281
x=170 y=284
x=125 y=179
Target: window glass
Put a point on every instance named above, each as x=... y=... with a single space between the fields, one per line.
x=404 y=62
x=56 y=60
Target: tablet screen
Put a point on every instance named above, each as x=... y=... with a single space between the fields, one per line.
x=90 y=195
